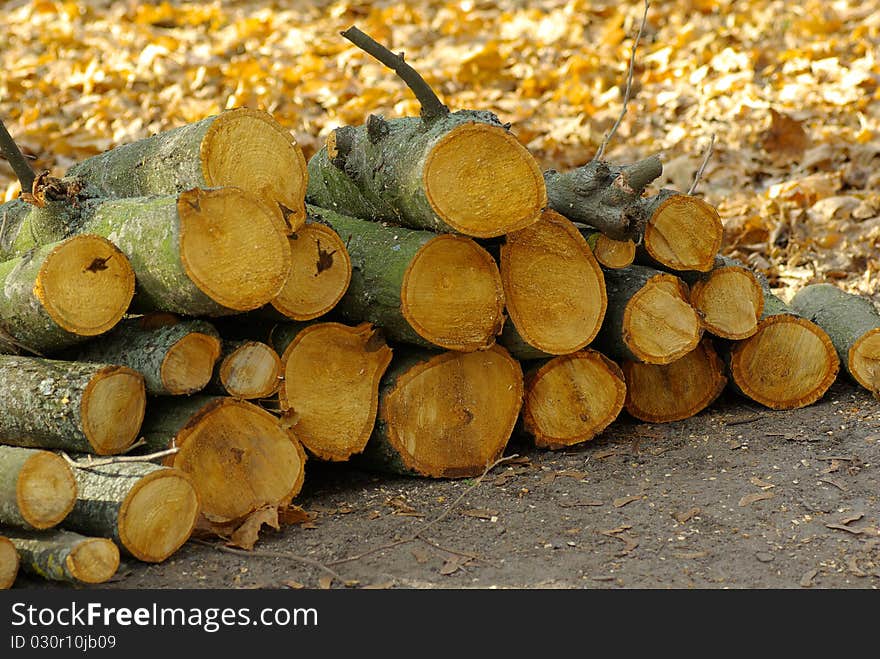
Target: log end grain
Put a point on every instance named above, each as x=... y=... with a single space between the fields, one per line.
x=482 y=182
x=231 y=247
x=572 y=398
x=730 y=301
x=85 y=285
x=452 y=416
x=612 y=253
x=553 y=285
x=452 y=294
x=247 y=148
x=46 y=490
x=864 y=360
x=252 y=370
x=8 y=563
x=319 y=275
x=93 y=560
x=659 y=326
x=112 y=409
x=331 y=382
x=189 y=363
x=684 y=233
x=671 y=392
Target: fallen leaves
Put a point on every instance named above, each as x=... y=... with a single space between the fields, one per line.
x=686 y=516
x=623 y=501
x=480 y=513
x=786 y=138
x=749 y=499
x=620 y=533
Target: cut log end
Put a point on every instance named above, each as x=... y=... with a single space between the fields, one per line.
x=8 y=563
x=482 y=182
x=553 y=285
x=671 y=392
x=112 y=409
x=684 y=233
x=319 y=275
x=730 y=301
x=253 y=370
x=613 y=253
x=239 y=458
x=247 y=148
x=787 y=364
x=93 y=560
x=864 y=360
x=452 y=294
x=85 y=285
x=220 y=232
x=158 y=515
x=572 y=398
x=45 y=490
x=189 y=363
x=659 y=326
x=452 y=416
x=330 y=387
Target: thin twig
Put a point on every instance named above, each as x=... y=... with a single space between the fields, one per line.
x=22 y=168
x=432 y=106
x=702 y=168
x=88 y=463
x=626 y=93
x=261 y=553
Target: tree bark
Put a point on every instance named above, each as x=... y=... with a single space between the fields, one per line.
x=88 y=408
x=8 y=563
x=37 y=488
x=24 y=226
x=57 y=555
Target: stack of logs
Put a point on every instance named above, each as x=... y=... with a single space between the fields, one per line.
x=177 y=297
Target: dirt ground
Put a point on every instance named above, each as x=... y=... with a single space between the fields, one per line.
x=736 y=497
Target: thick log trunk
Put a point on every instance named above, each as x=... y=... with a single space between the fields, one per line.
x=660 y=393
x=447 y=415
x=148 y=510
x=244 y=148
x=63 y=293
x=247 y=370
x=331 y=385
x=853 y=324
x=8 y=563
x=611 y=253
x=319 y=274
x=648 y=319
x=58 y=555
x=419 y=287
x=572 y=398
x=199 y=253
x=683 y=232
x=176 y=358
x=462 y=172
x=75 y=406
x=37 y=488
x=553 y=286
x=788 y=363
x=239 y=456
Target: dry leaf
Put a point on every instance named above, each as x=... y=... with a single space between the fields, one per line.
x=686 y=516
x=382 y=585
x=325 y=582
x=295 y=585
x=759 y=483
x=247 y=534
x=622 y=501
x=480 y=513
x=752 y=498
x=572 y=473
x=421 y=557
x=807 y=579
x=452 y=565
x=293 y=514
x=786 y=138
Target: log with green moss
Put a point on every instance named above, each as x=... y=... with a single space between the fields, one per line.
x=74 y=406
x=8 y=563
x=37 y=488
x=57 y=555
x=61 y=294
x=853 y=324
x=175 y=359
x=148 y=510
x=24 y=226
x=419 y=287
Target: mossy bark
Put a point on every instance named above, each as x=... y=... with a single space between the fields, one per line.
x=58 y=555
x=24 y=226
x=517 y=346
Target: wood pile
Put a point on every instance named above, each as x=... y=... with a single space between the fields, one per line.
x=436 y=292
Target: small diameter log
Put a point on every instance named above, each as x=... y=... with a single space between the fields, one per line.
x=58 y=555
x=74 y=406
x=239 y=456
x=447 y=415
x=8 y=563
x=319 y=275
x=176 y=358
x=682 y=233
x=244 y=148
x=660 y=393
x=148 y=510
x=419 y=287
x=572 y=398
x=63 y=293
x=729 y=298
x=247 y=370
x=611 y=253
x=199 y=253
x=331 y=385
x=853 y=324
x=462 y=172
x=788 y=363
x=553 y=286
x=37 y=488
x=648 y=319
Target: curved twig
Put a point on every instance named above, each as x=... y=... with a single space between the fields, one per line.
x=22 y=168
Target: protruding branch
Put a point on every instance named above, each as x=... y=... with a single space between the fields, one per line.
x=629 y=78
x=19 y=163
x=702 y=168
x=639 y=174
x=432 y=107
